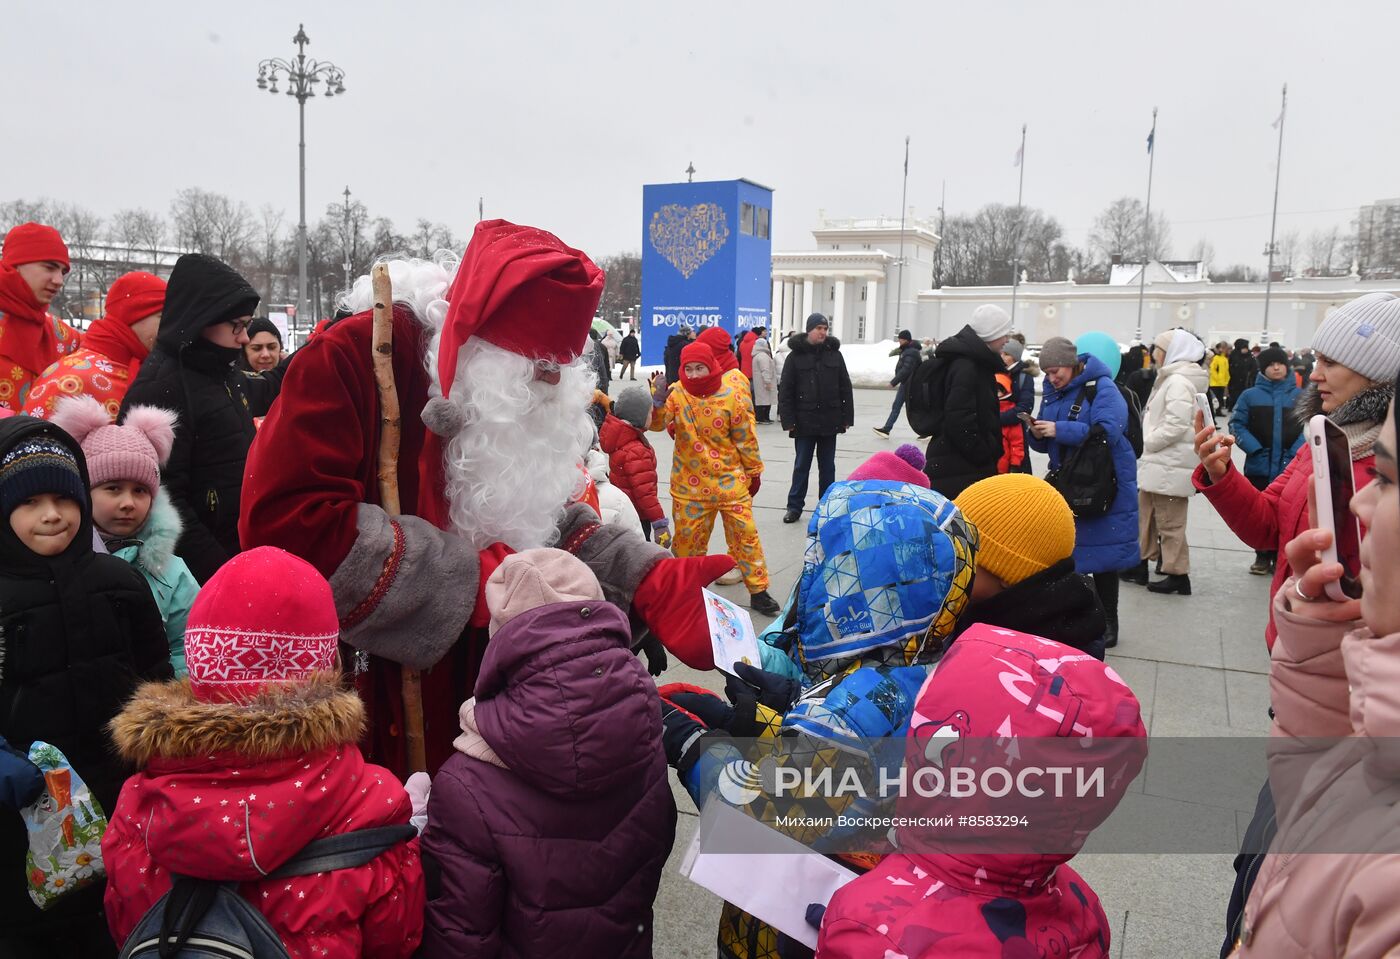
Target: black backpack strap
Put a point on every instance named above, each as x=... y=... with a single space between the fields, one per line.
x=1078 y=406
x=185 y=905
x=345 y=851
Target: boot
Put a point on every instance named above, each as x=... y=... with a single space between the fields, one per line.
x=1138 y=574
x=763 y=604
x=1110 y=635
x=1262 y=565
x=1172 y=584
x=731 y=578
x=792 y=516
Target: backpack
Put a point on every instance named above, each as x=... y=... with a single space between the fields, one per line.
x=1086 y=478
x=923 y=397
x=1133 y=428
x=208 y=919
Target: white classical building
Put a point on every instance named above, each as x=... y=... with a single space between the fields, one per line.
x=854 y=277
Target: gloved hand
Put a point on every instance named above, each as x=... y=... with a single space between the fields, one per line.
x=651 y=648
x=661 y=533
x=754 y=482
x=668 y=600
x=487 y=561
x=699 y=702
x=814 y=914
x=683 y=737
x=760 y=698
x=21 y=782
x=418 y=787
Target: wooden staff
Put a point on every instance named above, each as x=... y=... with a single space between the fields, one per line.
x=390 y=429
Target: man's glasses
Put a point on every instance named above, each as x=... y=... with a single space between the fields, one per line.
x=239 y=326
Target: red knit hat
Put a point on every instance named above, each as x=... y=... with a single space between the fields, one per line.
x=34 y=243
x=706 y=385
x=135 y=296
x=265 y=617
x=719 y=341
x=519 y=288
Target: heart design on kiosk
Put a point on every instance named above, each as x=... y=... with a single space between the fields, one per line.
x=687 y=236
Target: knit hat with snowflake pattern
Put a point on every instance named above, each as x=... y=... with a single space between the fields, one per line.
x=265 y=617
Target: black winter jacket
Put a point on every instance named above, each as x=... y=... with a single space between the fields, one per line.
x=674 y=344
x=78 y=632
x=909 y=359
x=629 y=349
x=1057 y=604
x=967 y=442
x=215 y=403
x=814 y=394
x=1244 y=367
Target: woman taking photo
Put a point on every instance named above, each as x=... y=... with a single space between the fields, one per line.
x=1333 y=681
x=1109 y=543
x=1358 y=356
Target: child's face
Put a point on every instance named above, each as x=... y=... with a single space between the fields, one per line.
x=46 y=523
x=120 y=507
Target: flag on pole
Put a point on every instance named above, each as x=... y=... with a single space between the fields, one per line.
x=1150 y=137
x=1020 y=152
x=1279 y=120
x=906 y=156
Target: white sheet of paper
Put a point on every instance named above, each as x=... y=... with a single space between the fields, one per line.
x=732 y=635
x=776 y=881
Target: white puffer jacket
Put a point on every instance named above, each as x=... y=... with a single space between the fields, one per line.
x=1168 y=430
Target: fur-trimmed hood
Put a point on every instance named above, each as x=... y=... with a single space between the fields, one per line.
x=165 y=720
x=1369 y=406
x=155 y=540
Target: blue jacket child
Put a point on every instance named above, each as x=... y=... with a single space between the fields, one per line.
x=133 y=515
x=1263 y=424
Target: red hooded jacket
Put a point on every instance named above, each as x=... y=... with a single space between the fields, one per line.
x=232 y=792
x=633 y=463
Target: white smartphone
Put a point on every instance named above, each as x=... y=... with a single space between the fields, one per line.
x=1334 y=485
x=1203 y=404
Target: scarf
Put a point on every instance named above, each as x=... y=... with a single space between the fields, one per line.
x=708 y=384
x=471 y=743
x=116 y=341
x=28 y=334
x=1360 y=417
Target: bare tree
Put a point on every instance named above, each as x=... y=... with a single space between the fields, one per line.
x=623 y=289
x=89 y=273
x=15 y=212
x=1119 y=230
x=211 y=223
x=141 y=232
x=270 y=256
x=1204 y=251
x=1322 y=250
x=1289 y=245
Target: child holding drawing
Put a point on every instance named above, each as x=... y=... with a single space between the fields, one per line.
x=551 y=824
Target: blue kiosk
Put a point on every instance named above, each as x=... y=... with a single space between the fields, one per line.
x=706 y=259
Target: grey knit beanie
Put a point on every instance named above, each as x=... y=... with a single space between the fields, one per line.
x=633 y=405
x=1013 y=349
x=1056 y=352
x=1363 y=335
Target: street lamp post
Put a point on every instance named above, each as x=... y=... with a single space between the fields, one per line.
x=346 y=262
x=301 y=75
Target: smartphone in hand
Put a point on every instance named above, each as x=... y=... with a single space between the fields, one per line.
x=1026 y=419
x=1334 y=485
x=1203 y=404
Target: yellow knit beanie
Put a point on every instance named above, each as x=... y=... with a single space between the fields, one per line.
x=1025 y=525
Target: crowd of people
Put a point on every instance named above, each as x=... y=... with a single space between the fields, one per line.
x=352 y=687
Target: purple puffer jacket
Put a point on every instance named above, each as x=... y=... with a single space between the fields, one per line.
x=559 y=851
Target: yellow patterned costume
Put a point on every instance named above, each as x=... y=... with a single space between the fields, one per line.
x=716 y=453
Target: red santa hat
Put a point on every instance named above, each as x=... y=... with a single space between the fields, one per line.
x=265 y=617
x=135 y=296
x=519 y=288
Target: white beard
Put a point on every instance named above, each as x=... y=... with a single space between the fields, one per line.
x=517 y=461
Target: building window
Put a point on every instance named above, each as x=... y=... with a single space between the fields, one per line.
x=862 y=294
x=746 y=211
x=763 y=217
x=860 y=327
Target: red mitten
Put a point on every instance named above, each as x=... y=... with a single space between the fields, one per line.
x=486 y=560
x=754 y=482
x=668 y=600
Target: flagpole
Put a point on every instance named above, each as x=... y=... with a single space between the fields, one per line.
x=1016 y=238
x=1147 y=221
x=1273 y=223
x=903 y=197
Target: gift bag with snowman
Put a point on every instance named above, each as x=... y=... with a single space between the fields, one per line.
x=65 y=828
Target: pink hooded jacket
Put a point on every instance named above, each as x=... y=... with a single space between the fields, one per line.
x=1330 y=680
x=996 y=686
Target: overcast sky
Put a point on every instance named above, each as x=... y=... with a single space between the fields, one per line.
x=558 y=112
